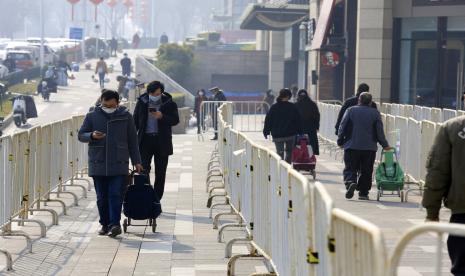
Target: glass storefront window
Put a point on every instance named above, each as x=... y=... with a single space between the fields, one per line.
x=454 y=62
x=418 y=61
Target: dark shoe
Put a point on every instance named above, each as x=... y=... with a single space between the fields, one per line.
x=115 y=231
x=351 y=190
x=214 y=138
x=103 y=231
x=362 y=197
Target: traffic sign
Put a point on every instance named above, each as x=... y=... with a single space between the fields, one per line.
x=76 y=33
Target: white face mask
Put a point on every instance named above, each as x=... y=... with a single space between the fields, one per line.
x=154 y=98
x=108 y=110
x=200 y=93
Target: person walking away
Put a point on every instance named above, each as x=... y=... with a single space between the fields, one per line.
x=283 y=123
x=353 y=101
x=135 y=41
x=114 y=46
x=111 y=134
x=101 y=69
x=360 y=131
x=309 y=119
x=154 y=115
x=294 y=90
x=444 y=182
x=268 y=99
x=218 y=96
x=126 y=65
x=197 y=106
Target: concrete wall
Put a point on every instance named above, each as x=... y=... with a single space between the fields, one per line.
x=226 y=63
x=374 y=46
x=276 y=60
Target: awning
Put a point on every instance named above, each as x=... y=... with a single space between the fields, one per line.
x=273 y=17
x=323 y=24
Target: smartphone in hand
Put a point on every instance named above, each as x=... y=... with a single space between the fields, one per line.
x=152 y=109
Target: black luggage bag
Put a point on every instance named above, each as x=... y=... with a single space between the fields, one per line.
x=140 y=202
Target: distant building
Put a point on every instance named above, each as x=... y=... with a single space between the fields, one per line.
x=230 y=13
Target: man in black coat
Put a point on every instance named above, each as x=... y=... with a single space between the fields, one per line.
x=218 y=96
x=109 y=130
x=353 y=101
x=154 y=115
x=126 y=65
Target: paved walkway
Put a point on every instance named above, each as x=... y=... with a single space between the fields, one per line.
x=185 y=243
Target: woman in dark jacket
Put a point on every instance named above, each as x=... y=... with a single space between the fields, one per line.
x=283 y=123
x=198 y=104
x=309 y=118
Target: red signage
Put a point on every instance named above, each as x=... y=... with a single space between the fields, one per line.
x=96 y=2
x=330 y=59
x=72 y=2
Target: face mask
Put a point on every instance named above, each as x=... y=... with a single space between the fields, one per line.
x=200 y=93
x=108 y=110
x=154 y=98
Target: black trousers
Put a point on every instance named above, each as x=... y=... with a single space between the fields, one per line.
x=359 y=169
x=151 y=148
x=456 y=246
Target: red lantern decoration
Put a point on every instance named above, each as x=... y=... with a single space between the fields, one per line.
x=128 y=3
x=112 y=3
x=73 y=2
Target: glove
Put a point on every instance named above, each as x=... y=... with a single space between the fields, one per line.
x=340 y=142
x=266 y=135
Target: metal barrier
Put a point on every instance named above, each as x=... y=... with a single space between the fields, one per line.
x=439 y=228
x=33 y=165
x=246 y=116
x=292 y=220
x=358 y=246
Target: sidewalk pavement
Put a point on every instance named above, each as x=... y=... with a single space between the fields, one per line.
x=185 y=242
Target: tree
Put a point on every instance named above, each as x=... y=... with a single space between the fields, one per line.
x=175 y=61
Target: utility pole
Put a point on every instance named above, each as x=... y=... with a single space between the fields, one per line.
x=42 y=30
x=152 y=20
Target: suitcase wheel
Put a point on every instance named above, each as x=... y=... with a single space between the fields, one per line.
x=125 y=225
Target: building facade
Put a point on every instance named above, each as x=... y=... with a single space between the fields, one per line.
x=408 y=51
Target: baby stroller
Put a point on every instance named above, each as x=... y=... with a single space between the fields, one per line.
x=390 y=176
x=303 y=158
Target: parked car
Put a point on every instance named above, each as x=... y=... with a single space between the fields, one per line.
x=23 y=59
x=24 y=46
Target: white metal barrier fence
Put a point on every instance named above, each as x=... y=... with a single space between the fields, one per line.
x=248 y=116
x=33 y=165
x=291 y=222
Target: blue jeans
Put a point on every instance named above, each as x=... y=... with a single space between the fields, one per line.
x=110 y=190
x=101 y=77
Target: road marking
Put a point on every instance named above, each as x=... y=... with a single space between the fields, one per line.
x=381 y=206
x=241 y=249
x=431 y=249
x=184 y=225
x=174 y=165
x=187 y=158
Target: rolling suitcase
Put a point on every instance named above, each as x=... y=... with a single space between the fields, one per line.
x=140 y=202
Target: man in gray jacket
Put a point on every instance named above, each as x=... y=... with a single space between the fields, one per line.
x=360 y=131
x=109 y=129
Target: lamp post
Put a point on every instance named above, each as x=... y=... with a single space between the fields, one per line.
x=97 y=32
x=303 y=59
x=42 y=29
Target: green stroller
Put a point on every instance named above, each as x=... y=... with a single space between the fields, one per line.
x=390 y=176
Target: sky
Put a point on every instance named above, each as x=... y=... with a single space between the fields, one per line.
x=176 y=18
